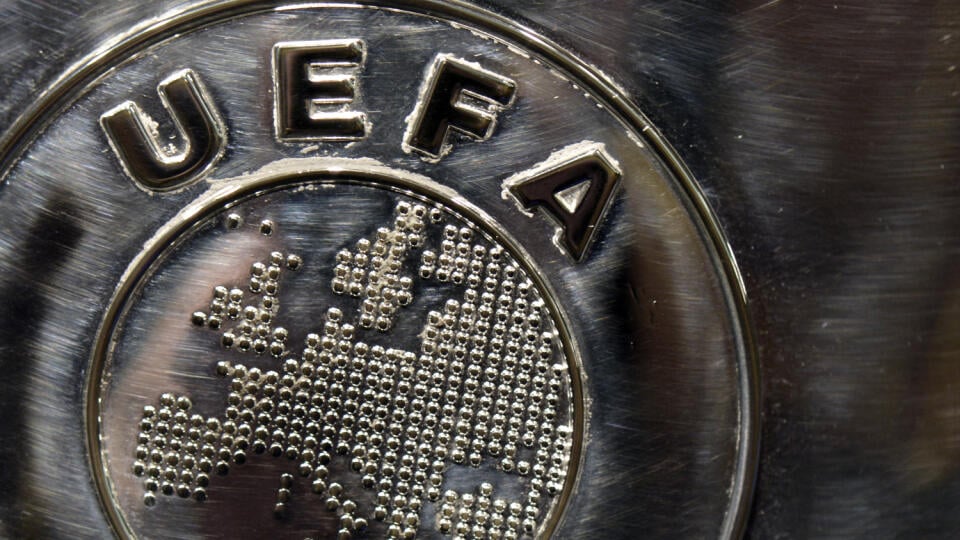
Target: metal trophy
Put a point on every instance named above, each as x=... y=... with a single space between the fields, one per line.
x=423 y=269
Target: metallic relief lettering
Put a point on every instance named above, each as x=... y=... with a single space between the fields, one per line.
x=137 y=141
x=315 y=84
x=480 y=393
x=575 y=186
x=460 y=96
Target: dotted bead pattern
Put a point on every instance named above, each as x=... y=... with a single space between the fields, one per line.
x=485 y=389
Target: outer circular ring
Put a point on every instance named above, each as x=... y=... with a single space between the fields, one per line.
x=71 y=84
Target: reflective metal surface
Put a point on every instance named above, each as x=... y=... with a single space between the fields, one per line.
x=603 y=285
x=443 y=400
x=824 y=137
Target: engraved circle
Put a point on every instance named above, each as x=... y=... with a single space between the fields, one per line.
x=402 y=375
x=656 y=309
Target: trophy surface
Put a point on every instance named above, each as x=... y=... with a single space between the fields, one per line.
x=422 y=269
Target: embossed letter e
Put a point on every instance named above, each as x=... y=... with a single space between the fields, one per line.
x=315 y=82
x=156 y=166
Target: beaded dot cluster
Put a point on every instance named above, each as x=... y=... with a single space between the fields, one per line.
x=485 y=386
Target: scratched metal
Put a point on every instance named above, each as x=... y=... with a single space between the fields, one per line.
x=338 y=396
x=825 y=136
x=655 y=422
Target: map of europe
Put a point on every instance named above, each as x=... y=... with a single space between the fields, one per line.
x=487 y=389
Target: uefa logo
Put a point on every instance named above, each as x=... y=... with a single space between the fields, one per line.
x=397 y=270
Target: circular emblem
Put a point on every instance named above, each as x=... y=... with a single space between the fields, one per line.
x=367 y=271
x=403 y=363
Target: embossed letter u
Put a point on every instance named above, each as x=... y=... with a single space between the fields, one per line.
x=200 y=129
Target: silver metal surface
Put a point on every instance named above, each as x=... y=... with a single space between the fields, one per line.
x=463 y=417
x=824 y=138
x=605 y=241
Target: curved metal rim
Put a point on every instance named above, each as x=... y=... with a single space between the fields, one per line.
x=309 y=171
x=72 y=82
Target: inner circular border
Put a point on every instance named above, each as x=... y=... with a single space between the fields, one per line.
x=280 y=176
x=72 y=83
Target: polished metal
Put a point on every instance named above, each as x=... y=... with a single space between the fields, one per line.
x=443 y=106
x=314 y=84
x=805 y=152
x=466 y=375
x=464 y=416
x=575 y=186
x=139 y=147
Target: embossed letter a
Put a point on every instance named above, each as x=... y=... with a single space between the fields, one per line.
x=575 y=187
x=156 y=166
